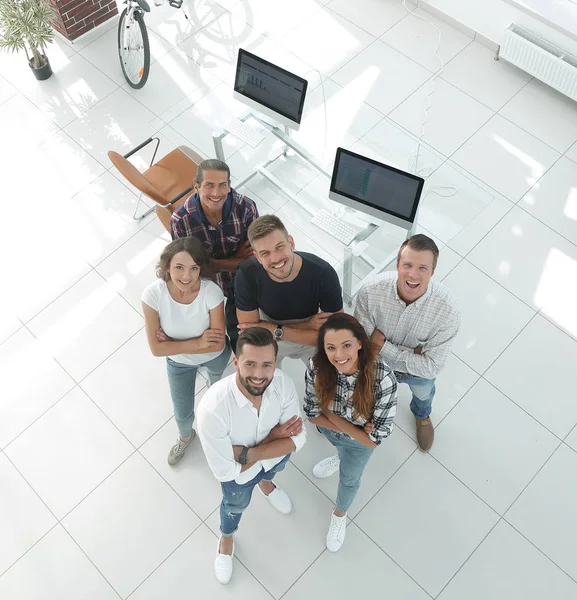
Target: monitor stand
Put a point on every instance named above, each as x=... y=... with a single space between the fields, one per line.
x=359 y=243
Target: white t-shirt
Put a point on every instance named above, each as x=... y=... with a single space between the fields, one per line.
x=184 y=321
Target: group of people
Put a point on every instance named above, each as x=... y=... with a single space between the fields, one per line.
x=284 y=303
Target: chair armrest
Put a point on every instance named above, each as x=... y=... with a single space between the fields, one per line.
x=140 y=146
x=177 y=198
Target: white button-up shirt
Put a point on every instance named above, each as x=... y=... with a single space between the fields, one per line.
x=226 y=418
x=431 y=322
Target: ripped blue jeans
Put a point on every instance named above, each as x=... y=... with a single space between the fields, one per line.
x=236 y=497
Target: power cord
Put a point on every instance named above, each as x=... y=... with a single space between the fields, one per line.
x=413 y=158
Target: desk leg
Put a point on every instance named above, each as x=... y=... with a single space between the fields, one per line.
x=218 y=149
x=348 y=276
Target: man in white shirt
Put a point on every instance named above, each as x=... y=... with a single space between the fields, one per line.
x=248 y=424
x=413 y=322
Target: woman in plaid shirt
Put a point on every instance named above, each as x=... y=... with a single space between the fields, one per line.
x=351 y=396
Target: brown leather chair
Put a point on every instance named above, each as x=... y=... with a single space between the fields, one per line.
x=168 y=182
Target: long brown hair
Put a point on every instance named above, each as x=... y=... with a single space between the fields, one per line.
x=326 y=374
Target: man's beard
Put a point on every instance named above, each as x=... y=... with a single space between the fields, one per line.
x=254 y=390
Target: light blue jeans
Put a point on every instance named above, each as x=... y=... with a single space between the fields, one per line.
x=354 y=457
x=236 y=497
x=182 y=382
x=423 y=391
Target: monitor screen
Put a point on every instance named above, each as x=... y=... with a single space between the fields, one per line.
x=276 y=89
x=376 y=185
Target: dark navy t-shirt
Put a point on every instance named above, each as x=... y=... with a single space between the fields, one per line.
x=315 y=287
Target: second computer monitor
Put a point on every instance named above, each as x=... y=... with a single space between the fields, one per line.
x=270 y=89
x=379 y=190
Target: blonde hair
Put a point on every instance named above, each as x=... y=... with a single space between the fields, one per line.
x=264 y=226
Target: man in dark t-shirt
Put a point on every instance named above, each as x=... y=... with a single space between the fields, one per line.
x=283 y=290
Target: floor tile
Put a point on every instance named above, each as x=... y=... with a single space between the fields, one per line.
x=131 y=388
x=419 y=40
x=554 y=199
x=75 y=86
x=571 y=439
x=451 y=119
x=572 y=153
x=521 y=374
x=132 y=267
x=101 y=218
x=491 y=317
x=303 y=532
x=530 y=260
x=496 y=470
x=130 y=524
x=342 y=41
x=480 y=226
x=386 y=459
x=476 y=72
x=557 y=126
x=23 y=126
x=9 y=323
x=68 y=451
x=506 y=157
x=7 y=90
x=545 y=513
x=174 y=27
x=23 y=517
x=191 y=567
x=410 y=527
x=55 y=568
x=85 y=325
x=451 y=201
x=117 y=123
x=381 y=76
x=507 y=566
x=330 y=574
x=192 y=474
x=173 y=76
x=374 y=16
x=25 y=398
x=452 y=383
x=103 y=53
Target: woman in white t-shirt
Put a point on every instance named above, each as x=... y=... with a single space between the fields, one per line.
x=184 y=321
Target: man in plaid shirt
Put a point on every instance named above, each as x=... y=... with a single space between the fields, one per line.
x=219 y=217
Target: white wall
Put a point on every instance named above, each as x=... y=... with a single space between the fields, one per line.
x=490 y=18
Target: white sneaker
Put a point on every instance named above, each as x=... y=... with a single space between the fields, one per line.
x=337 y=532
x=223 y=564
x=176 y=453
x=279 y=500
x=326 y=467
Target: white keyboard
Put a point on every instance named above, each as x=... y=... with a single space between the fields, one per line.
x=335 y=226
x=244 y=132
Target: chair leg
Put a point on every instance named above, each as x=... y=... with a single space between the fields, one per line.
x=144 y=214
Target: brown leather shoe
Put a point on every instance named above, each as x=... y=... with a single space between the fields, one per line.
x=425 y=434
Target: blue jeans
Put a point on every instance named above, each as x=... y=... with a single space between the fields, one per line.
x=354 y=457
x=182 y=382
x=236 y=497
x=423 y=391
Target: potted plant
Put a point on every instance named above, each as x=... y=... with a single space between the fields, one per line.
x=26 y=25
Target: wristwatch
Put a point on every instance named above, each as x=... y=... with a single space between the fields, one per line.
x=243 y=454
x=278 y=333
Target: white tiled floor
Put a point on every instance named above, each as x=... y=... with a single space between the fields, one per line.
x=87 y=500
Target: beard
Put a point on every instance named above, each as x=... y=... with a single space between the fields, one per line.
x=252 y=389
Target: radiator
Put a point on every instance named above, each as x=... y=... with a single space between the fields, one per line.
x=539 y=58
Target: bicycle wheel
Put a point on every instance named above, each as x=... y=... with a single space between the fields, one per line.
x=135 y=54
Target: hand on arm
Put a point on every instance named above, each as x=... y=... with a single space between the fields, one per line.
x=357 y=433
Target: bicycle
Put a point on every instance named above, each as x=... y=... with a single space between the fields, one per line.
x=133 y=44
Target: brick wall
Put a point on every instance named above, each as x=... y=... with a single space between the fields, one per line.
x=76 y=17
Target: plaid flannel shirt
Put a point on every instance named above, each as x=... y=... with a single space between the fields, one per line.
x=384 y=410
x=222 y=241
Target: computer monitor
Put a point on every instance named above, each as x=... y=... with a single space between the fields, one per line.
x=374 y=188
x=270 y=89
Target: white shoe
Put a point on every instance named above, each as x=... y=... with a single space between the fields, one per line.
x=326 y=467
x=278 y=499
x=337 y=532
x=223 y=564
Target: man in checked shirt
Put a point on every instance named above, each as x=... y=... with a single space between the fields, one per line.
x=219 y=217
x=412 y=321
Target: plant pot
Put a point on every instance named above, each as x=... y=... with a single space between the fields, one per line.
x=43 y=72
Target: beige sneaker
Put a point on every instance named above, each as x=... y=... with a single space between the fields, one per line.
x=425 y=434
x=176 y=453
